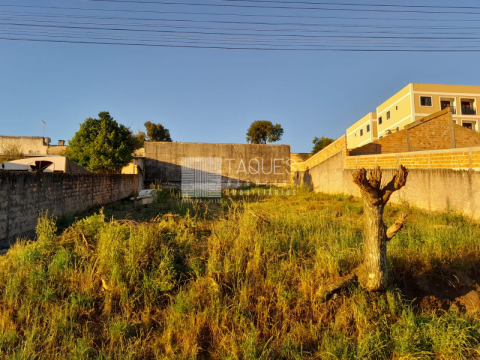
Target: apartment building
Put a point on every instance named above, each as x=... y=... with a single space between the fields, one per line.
x=413 y=102
x=364 y=131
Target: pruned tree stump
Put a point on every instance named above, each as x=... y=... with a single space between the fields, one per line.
x=373 y=273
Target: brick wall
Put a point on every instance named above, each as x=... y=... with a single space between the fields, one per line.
x=430 y=133
x=24 y=194
x=465 y=137
x=370 y=148
x=457 y=159
x=393 y=143
x=433 y=132
x=438 y=179
x=396 y=142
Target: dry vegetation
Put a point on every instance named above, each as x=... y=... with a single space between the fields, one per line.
x=242 y=282
x=10 y=152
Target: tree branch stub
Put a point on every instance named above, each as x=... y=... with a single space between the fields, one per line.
x=397 y=226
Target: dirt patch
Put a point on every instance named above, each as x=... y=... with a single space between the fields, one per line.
x=438 y=290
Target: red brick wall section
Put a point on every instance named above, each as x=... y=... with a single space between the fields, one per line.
x=465 y=137
x=396 y=142
x=372 y=148
x=393 y=143
x=434 y=134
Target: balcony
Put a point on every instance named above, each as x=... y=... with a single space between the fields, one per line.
x=469 y=111
x=452 y=108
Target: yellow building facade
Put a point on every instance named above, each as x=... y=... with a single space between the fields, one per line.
x=363 y=131
x=415 y=101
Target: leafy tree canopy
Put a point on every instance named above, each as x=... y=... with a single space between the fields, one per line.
x=263 y=131
x=102 y=145
x=156 y=132
x=140 y=138
x=320 y=143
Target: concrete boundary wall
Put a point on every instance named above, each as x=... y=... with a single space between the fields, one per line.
x=31 y=145
x=24 y=194
x=239 y=162
x=438 y=180
x=339 y=145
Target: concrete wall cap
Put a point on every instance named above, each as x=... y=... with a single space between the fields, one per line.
x=179 y=142
x=21 y=137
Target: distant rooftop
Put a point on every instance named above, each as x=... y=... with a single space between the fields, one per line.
x=15 y=136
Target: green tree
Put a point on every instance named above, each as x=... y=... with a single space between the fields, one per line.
x=140 y=138
x=156 y=132
x=320 y=143
x=102 y=145
x=263 y=131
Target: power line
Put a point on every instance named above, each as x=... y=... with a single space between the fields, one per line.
x=235 y=41
x=223 y=33
x=281 y=7
x=232 y=14
x=198 y=40
x=343 y=26
x=239 y=48
x=23 y=15
x=392 y=41
x=231 y=34
x=355 y=4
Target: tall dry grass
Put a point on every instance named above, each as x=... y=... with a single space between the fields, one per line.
x=237 y=284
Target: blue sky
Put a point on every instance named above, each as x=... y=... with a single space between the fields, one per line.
x=206 y=95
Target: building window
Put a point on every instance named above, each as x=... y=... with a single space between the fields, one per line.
x=388 y=115
x=396 y=108
x=445 y=104
x=448 y=104
x=368 y=128
x=361 y=132
x=469 y=124
x=398 y=129
x=380 y=120
x=355 y=134
x=468 y=107
x=426 y=100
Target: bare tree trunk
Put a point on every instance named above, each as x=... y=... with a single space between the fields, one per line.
x=375 y=263
x=373 y=274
